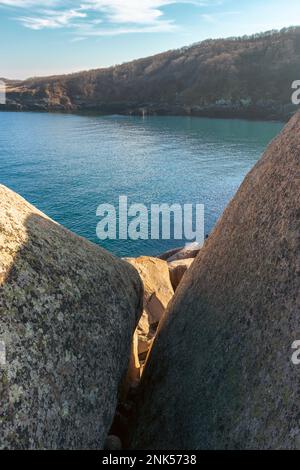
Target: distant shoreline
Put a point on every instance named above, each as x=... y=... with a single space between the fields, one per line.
x=248 y=77
x=211 y=114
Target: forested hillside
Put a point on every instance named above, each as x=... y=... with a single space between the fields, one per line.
x=250 y=76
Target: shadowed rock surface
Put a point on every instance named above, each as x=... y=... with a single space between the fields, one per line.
x=185 y=253
x=179 y=254
x=68 y=310
x=177 y=270
x=220 y=375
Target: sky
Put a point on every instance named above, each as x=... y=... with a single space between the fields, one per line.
x=60 y=36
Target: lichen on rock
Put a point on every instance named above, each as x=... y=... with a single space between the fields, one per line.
x=68 y=310
x=220 y=375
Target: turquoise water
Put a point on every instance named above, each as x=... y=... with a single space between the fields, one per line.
x=67 y=165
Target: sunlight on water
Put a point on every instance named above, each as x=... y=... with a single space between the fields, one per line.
x=67 y=165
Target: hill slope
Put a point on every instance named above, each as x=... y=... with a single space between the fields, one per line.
x=244 y=77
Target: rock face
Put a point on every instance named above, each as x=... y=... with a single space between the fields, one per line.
x=68 y=311
x=177 y=270
x=158 y=292
x=133 y=375
x=220 y=374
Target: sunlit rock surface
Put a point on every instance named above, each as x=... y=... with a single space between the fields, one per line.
x=68 y=310
x=158 y=292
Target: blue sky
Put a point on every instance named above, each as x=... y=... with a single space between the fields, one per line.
x=59 y=36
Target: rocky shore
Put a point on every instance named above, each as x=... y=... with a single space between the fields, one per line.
x=189 y=350
x=244 y=77
x=267 y=111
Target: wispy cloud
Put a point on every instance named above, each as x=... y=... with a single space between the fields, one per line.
x=52 y=19
x=98 y=17
x=27 y=3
